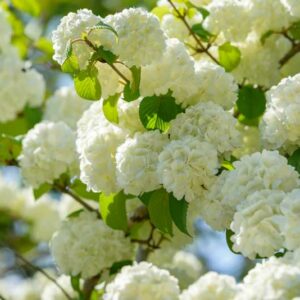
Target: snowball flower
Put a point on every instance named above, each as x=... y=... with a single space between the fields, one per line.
x=48 y=151
x=97 y=142
x=140 y=38
x=187 y=167
x=271 y=279
x=173 y=71
x=5 y=29
x=214 y=84
x=293 y=6
x=142 y=281
x=256 y=224
x=290 y=208
x=280 y=124
x=71 y=27
x=207 y=122
x=211 y=286
x=86 y=245
x=66 y=106
x=136 y=162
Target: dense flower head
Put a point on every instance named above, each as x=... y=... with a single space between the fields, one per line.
x=66 y=106
x=293 y=6
x=5 y=29
x=187 y=167
x=136 y=162
x=48 y=152
x=211 y=286
x=79 y=250
x=207 y=122
x=142 y=281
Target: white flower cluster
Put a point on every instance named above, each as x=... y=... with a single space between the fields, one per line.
x=18 y=85
x=86 y=245
x=143 y=281
x=293 y=7
x=5 y=29
x=279 y=127
x=66 y=106
x=48 y=152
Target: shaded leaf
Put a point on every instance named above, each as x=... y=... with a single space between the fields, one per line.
x=10 y=149
x=294 y=160
x=132 y=88
x=229 y=234
x=201 y=32
x=117 y=266
x=81 y=190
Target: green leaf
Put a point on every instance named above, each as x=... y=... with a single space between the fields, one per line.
x=110 y=108
x=75 y=213
x=145 y=197
x=157 y=111
x=44 y=45
x=249 y=122
x=201 y=32
x=294 y=31
x=10 y=149
x=33 y=115
x=132 y=89
x=161 y=11
x=229 y=56
x=81 y=190
x=251 y=102
x=117 y=266
x=229 y=234
x=101 y=25
x=294 y=160
x=41 y=190
x=70 y=65
x=159 y=211
x=113 y=210
x=31 y=7
x=204 y=12
x=178 y=210
x=87 y=84
x=75 y=283
x=265 y=36
x=104 y=56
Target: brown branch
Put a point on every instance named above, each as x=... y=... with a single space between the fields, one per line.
x=294 y=50
x=89 y=285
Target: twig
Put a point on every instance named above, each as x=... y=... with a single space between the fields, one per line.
x=294 y=50
x=2 y=298
x=202 y=48
x=89 y=286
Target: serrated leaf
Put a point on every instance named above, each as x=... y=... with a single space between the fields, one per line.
x=294 y=160
x=159 y=211
x=81 y=190
x=199 y=30
x=229 y=234
x=178 y=211
x=157 y=111
x=113 y=210
x=70 y=64
x=87 y=84
x=229 y=56
x=117 y=266
x=10 y=149
x=41 y=190
x=132 y=89
x=251 y=102
x=110 y=108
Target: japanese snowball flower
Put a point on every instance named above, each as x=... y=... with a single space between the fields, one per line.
x=86 y=245
x=256 y=224
x=293 y=6
x=48 y=152
x=52 y=292
x=212 y=286
x=5 y=29
x=173 y=71
x=207 y=122
x=291 y=225
x=174 y=27
x=271 y=279
x=186 y=167
x=214 y=84
x=136 y=162
x=71 y=27
x=260 y=62
x=19 y=86
x=66 y=106
x=140 y=39
x=142 y=281
x=256 y=172
x=281 y=122
x=97 y=142
x=220 y=19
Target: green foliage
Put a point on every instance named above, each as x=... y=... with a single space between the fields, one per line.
x=132 y=89
x=229 y=56
x=157 y=111
x=44 y=45
x=294 y=160
x=117 y=266
x=265 y=36
x=251 y=102
x=161 y=11
x=201 y=32
x=70 y=65
x=104 y=56
x=31 y=7
x=10 y=149
x=229 y=234
x=110 y=108
x=113 y=210
x=75 y=283
x=87 y=84
x=41 y=190
x=81 y=190
x=101 y=25
x=294 y=31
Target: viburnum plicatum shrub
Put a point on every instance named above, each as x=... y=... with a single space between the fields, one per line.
x=191 y=110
